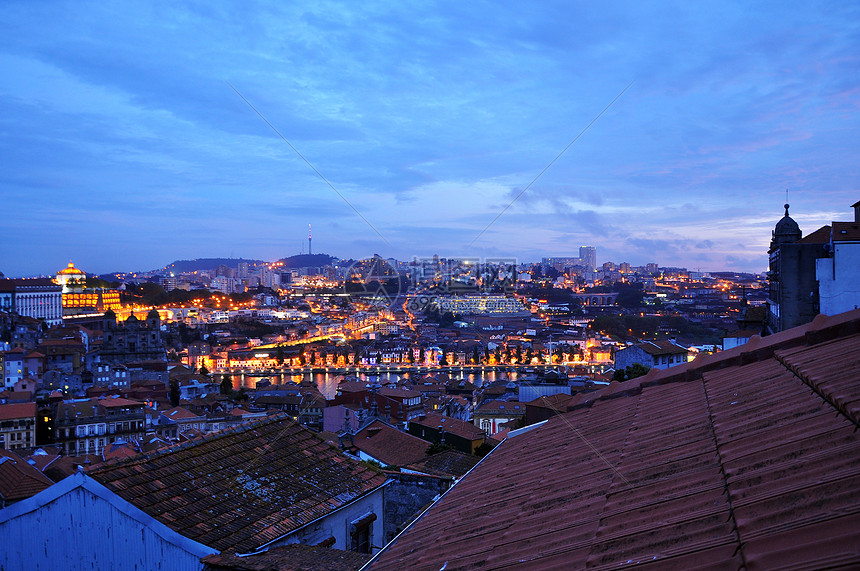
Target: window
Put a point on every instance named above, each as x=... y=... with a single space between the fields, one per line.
x=360 y=533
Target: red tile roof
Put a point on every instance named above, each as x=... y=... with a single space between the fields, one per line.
x=389 y=445
x=293 y=557
x=820 y=236
x=661 y=347
x=453 y=426
x=243 y=487
x=846 y=231
x=18 y=479
x=744 y=459
x=446 y=463
x=17 y=410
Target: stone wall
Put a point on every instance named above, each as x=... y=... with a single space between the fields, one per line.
x=406 y=496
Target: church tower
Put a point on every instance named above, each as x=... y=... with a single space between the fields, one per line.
x=792 y=288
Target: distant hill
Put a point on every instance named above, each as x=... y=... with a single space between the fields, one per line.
x=183 y=266
x=308 y=261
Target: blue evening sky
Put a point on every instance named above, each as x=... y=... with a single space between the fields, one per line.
x=123 y=146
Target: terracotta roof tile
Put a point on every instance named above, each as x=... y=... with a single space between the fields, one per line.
x=18 y=479
x=17 y=410
x=242 y=487
x=293 y=557
x=745 y=460
x=390 y=445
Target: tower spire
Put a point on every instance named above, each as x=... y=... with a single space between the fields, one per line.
x=309 y=240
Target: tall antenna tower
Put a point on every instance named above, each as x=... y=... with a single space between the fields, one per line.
x=309 y=240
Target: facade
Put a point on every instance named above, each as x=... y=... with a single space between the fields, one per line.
x=12 y=367
x=482 y=305
x=588 y=255
x=18 y=425
x=132 y=340
x=91 y=301
x=87 y=426
x=792 y=288
x=838 y=274
x=652 y=354
x=39 y=298
x=491 y=415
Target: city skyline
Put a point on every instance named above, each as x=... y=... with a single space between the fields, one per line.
x=125 y=148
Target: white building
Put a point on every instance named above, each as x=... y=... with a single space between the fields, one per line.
x=78 y=524
x=39 y=298
x=838 y=274
x=483 y=305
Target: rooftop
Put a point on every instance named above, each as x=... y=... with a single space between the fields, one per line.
x=293 y=557
x=743 y=459
x=389 y=445
x=243 y=487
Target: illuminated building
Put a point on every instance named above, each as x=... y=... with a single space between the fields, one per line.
x=78 y=299
x=482 y=304
x=39 y=298
x=71 y=278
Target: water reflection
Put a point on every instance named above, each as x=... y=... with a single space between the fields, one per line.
x=327 y=382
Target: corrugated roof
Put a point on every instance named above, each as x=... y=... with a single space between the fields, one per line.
x=243 y=487
x=748 y=459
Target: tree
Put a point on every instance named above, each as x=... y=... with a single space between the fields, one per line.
x=279 y=355
x=174 y=392
x=529 y=355
x=483 y=449
x=631 y=372
x=204 y=371
x=226 y=385
x=475 y=356
x=436 y=447
x=421 y=356
x=444 y=361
